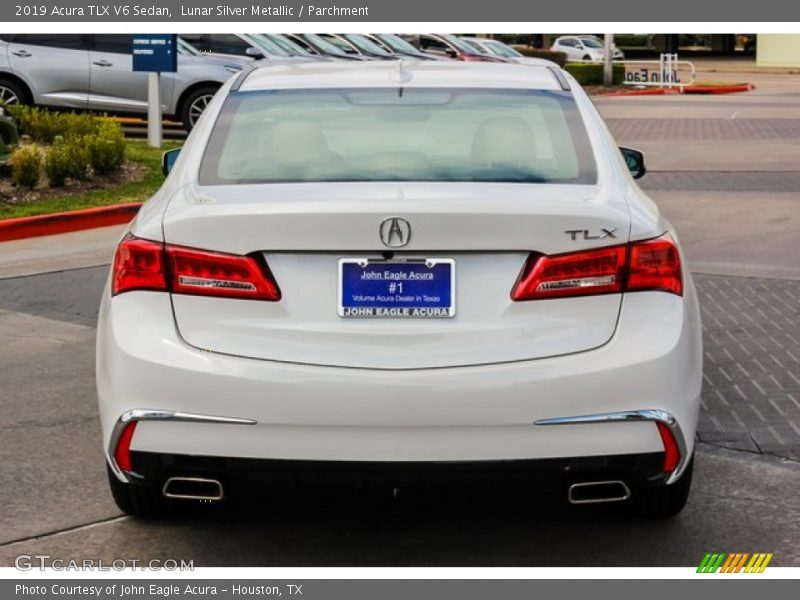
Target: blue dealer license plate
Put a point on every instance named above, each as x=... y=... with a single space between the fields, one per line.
x=408 y=289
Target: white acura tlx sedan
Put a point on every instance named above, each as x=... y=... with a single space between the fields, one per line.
x=412 y=267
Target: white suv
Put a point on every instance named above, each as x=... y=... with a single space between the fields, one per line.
x=585 y=48
x=402 y=267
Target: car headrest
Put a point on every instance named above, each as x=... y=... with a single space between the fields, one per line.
x=504 y=141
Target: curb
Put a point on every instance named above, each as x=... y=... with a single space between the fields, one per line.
x=689 y=89
x=64 y=222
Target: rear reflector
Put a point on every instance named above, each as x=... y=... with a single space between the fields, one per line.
x=122 y=453
x=672 y=454
x=649 y=265
x=146 y=265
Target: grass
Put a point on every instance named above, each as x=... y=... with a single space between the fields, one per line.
x=130 y=191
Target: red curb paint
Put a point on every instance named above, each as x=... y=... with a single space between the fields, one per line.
x=63 y=222
x=689 y=89
x=718 y=89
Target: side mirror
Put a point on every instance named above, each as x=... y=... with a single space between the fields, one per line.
x=168 y=160
x=254 y=52
x=635 y=161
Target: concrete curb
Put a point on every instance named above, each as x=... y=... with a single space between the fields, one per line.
x=63 y=222
x=689 y=89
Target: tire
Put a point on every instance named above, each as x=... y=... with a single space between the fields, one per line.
x=587 y=58
x=194 y=104
x=140 y=500
x=664 y=501
x=12 y=92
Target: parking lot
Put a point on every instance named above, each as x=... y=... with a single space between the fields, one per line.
x=723 y=169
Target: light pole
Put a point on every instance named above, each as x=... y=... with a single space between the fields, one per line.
x=608 y=56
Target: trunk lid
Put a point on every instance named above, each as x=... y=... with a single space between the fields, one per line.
x=303 y=230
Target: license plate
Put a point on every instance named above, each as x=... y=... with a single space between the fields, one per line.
x=399 y=289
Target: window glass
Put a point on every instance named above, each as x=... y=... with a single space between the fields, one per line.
x=53 y=40
x=391 y=134
x=119 y=43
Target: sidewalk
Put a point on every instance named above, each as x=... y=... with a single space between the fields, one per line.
x=59 y=252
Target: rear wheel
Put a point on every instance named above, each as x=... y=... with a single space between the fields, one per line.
x=664 y=501
x=141 y=500
x=194 y=105
x=587 y=57
x=12 y=93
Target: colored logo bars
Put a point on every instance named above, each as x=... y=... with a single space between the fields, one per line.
x=734 y=563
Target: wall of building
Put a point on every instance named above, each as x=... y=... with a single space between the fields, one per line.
x=778 y=50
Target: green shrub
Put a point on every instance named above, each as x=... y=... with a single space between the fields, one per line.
x=43 y=125
x=557 y=57
x=592 y=73
x=26 y=165
x=631 y=40
x=56 y=163
x=79 y=124
x=106 y=147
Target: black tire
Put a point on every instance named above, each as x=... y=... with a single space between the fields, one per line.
x=13 y=91
x=194 y=104
x=587 y=57
x=664 y=501
x=140 y=500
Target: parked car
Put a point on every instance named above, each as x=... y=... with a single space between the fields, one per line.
x=94 y=72
x=292 y=48
x=242 y=45
x=584 y=47
x=449 y=46
x=359 y=44
x=498 y=48
x=316 y=44
x=397 y=45
x=234 y=63
x=453 y=273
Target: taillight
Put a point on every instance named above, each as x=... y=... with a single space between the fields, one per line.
x=648 y=265
x=215 y=274
x=146 y=265
x=655 y=265
x=138 y=265
x=578 y=274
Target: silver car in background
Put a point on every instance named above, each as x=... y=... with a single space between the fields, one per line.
x=95 y=72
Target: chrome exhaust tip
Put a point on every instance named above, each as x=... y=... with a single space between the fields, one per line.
x=595 y=492
x=193 y=488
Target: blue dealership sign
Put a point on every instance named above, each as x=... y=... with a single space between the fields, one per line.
x=155 y=52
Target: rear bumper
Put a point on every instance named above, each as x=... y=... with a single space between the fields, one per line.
x=308 y=413
x=244 y=478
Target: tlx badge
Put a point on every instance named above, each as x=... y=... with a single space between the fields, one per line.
x=585 y=234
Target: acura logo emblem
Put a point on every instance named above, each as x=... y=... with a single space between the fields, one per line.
x=395 y=232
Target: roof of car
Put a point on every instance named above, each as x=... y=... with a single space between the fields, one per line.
x=408 y=73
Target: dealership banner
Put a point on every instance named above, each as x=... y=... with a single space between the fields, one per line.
x=388 y=589
x=450 y=11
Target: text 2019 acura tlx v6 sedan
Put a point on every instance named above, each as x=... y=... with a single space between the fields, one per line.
x=400 y=266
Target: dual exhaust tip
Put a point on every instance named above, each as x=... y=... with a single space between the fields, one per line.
x=193 y=488
x=596 y=492
x=211 y=490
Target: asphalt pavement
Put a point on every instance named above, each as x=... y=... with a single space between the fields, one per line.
x=723 y=169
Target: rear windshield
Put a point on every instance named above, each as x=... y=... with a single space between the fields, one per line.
x=397 y=134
